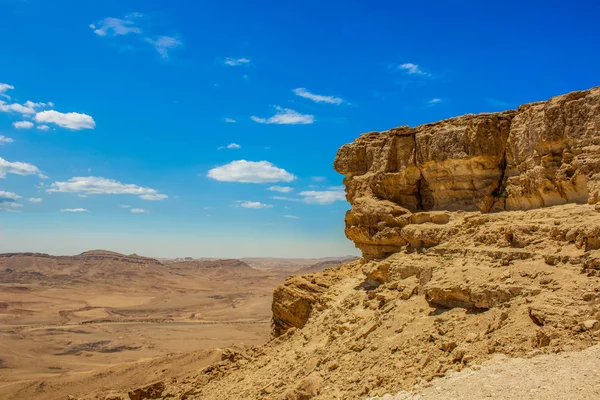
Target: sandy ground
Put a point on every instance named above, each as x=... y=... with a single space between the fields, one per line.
x=568 y=376
x=64 y=323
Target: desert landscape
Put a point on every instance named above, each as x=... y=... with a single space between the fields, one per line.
x=63 y=319
x=479 y=278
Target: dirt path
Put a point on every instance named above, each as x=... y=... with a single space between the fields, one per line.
x=573 y=376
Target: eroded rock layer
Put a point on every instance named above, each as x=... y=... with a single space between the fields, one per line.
x=542 y=154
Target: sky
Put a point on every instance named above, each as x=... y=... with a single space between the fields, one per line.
x=209 y=128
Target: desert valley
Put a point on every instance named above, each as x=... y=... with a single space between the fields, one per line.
x=64 y=320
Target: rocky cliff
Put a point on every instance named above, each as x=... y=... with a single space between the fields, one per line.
x=543 y=154
x=480 y=236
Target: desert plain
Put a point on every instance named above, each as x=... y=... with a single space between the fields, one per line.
x=74 y=324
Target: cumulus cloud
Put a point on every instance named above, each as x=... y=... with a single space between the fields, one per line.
x=318 y=178
x=253 y=204
x=15 y=107
x=164 y=44
x=322 y=196
x=27 y=109
x=23 y=125
x=71 y=120
x=434 y=101
x=18 y=168
x=229 y=120
x=250 y=172
x=280 y=189
x=229 y=146
x=139 y=211
x=234 y=62
x=88 y=185
x=413 y=69
x=43 y=127
x=35 y=199
x=125 y=206
x=4 y=139
x=317 y=98
x=8 y=201
x=291 y=217
x=286 y=116
x=8 y=196
x=73 y=210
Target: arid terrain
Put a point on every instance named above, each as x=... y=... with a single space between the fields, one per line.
x=480 y=238
x=63 y=318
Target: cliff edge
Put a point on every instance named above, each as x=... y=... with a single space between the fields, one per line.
x=481 y=238
x=543 y=154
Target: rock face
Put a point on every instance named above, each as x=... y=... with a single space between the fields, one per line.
x=542 y=154
x=489 y=245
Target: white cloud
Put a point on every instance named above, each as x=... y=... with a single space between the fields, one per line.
x=3 y=88
x=291 y=216
x=413 y=69
x=70 y=120
x=230 y=120
x=116 y=26
x=4 y=139
x=43 y=127
x=434 y=101
x=8 y=201
x=250 y=172
x=18 y=168
x=323 y=196
x=285 y=198
x=318 y=178
x=317 y=98
x=73 y=210
x=253 y=204
x=154 y=197
x=125 y=206
x=280 y=189
x=8 y=196
x=15 y=107
x=234 y=62
x=286 y=116
x=35 y=199
x=32 y=104
x=229 y=146
x=23 y=125
x=164 y=44
x=129 y=25
x=316 y=197
x=139 y=211
x=88 y=185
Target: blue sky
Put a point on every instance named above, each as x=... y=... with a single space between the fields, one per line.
x=159 y=127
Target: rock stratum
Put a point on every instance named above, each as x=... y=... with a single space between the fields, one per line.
x=543 y=154
x=481 y=238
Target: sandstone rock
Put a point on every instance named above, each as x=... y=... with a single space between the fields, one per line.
x=543 y=154
x=153 y=391
x=293 y=302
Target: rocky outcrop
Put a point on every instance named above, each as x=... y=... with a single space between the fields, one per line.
x=542 y=154
x=490 y=247
x=294 y=301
